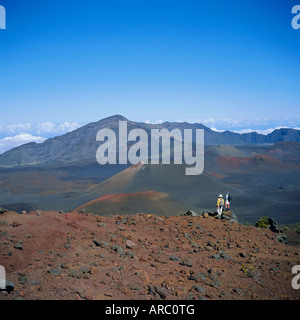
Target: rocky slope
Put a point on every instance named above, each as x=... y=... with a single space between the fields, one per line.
x=52 y=255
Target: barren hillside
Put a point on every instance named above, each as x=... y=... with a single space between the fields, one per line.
x=52 y=255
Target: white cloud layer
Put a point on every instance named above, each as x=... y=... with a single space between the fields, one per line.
x=154 y=122
x=14 y=135
x=259 y=125
x=38 y=128
x=8 y=143
x=260 y=131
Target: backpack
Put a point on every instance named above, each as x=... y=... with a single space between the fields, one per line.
x=229 y=197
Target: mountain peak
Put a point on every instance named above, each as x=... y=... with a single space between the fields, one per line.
x=116 y=117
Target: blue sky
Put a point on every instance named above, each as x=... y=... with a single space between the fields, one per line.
x=229 y=64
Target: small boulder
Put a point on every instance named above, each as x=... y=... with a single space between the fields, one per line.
x=3 y=210
x=187 y=262
x=18 y=246
x=9 y=286
x=192 y=213
x=130 y=244
x=173 y=257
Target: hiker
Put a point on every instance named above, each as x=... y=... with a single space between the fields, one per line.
x=220 y=204
x=227 y=200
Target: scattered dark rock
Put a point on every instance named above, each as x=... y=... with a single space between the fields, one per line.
x=192 y=213
x=16 y=224
x=165 y=273
x=130 y=244
x=273 y=226
x=23 y=279
x=162 y=291
x=9 y=286
x=229 y=215
x=3 y=210
x=225 y=256
x=197 y=277
x=117 y=249
x=81 y=293
x=275 y=270
x=84 y=269
x=282 y=238
x=215 y=284
x=198 y=289
x=55 y=271
x=34 y=282
x=75 y=274
x=101 y=224
x=187 y=262
x=237 y=290
x=131 y=254
x=64 y=265
x=173 y=257
x=96 y=242
x=18 y=246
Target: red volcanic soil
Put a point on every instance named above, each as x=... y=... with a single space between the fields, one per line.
x=125 y=196
x=258 y=163
x=217 y=175
x=144 y=201
x=51 y=255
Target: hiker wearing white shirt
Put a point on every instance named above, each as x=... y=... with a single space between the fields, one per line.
x=220 y=204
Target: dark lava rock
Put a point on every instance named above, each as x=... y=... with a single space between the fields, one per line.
x=9 y=286
x=187 y=262
x=173 y=257
x=18 y=246
x=55 y=271
x=197 y=277
x=198 y=289
x=3 y=210
x=118 y=249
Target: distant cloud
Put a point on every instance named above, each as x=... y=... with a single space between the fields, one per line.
x=217 y=130
x=47 y=128
x=8 y=143
x=261 y=131
x=260 y=125
x=13 y=128
x=265 y=132
x=231 y=124
x=14 y=135
x=153 y=122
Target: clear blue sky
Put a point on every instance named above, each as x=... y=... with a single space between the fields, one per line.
x=80 y=61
